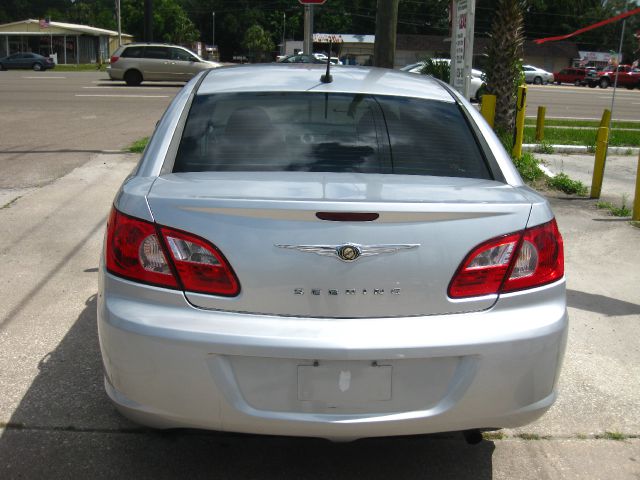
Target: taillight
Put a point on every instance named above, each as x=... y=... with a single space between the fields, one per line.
x=200 y=265
x=139 y=250
x=134 y=251
x=113 y=59
x=511 y=262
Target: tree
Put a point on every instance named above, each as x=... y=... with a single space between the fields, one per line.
x=258 y=43
x=504 y=63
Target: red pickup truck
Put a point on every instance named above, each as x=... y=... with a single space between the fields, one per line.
x=628 y=77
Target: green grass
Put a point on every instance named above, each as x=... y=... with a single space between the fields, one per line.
x=621 y=211
x=557 y=122
x=544 y=147
x=565 y=184
x=139 y=145
x=498 y=435
x=528 y=167
x=612 y=436
x=568 y=136
x=83 y=67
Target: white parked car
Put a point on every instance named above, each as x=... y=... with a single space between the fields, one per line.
x=476 y=86
x=536 y=75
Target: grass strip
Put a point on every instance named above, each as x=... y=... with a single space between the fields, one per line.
x=83 y=67
x=560 y=122
x=564 y=136
x=139 y=145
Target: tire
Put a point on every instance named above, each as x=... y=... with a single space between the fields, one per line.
x=630 y=87
x=604 y=83
x=537 y=80
x=592 y=85
x=2 y=67
x=133 y=78
x=480 y=93
x=37 y=67
x=577 y=83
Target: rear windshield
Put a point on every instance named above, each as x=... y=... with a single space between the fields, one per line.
x=324 y=132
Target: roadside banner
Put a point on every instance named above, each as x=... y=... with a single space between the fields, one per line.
x=590 y=27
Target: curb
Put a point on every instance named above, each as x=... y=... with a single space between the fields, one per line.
x=531 y=147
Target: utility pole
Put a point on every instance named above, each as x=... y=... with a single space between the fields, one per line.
x=284 y=28
x=148 y=21
x=213 y=32
x=308 y=29
x=384 y=49
x=119 y=22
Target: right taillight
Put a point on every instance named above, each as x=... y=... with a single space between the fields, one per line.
x=141 y=251
x=511 y=262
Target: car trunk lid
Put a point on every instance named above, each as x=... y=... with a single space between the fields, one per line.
x=282 y=234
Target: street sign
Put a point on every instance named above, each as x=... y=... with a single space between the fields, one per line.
x=312 y=2
x=463 y=20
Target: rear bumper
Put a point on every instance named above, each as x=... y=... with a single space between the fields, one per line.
x=168 y=364
x=114 y=74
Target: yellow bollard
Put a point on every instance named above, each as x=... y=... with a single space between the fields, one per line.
x=542 y=111
x=598 y=168
x=488 y=108
x=521 y=107
x=606 y=118
x=636 y=201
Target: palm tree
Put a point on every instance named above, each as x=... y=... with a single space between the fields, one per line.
x=504 y=62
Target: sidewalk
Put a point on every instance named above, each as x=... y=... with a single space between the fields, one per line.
x=619 y=174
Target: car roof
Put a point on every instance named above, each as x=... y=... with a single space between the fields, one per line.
x=152 y=44
x=305 y=77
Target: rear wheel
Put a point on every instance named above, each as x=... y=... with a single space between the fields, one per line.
x=133 y=78
x=604 y=83
x=37 y=67
x=592 y=85
x=2 y=67
x=577 y=83
x=537 y=80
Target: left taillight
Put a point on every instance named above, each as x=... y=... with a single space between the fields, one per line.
x=141 y=251
x=517 y=261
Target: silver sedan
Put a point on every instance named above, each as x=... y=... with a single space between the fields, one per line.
x=339 y=257
x=536 y=75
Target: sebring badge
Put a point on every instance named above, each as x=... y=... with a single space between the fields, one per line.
x=349 y=252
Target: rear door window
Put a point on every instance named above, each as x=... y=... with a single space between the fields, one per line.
x=161 y=53
x=304 y=131
x=133 y=52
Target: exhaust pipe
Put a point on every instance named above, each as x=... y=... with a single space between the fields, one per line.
x=472 y=437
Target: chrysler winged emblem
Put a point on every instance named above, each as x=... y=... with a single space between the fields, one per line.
x=350 y=252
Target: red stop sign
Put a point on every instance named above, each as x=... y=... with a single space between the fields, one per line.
x=312 y=2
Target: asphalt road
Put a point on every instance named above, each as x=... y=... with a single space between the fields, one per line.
x=52 y=122
x=568 y=101
x=56 y=421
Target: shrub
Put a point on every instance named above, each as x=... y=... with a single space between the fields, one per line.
x=565 y=184
x=528 y=167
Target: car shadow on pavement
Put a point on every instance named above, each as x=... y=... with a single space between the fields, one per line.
x=601 y=304
x=65 y=427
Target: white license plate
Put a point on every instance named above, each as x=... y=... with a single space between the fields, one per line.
x=344 y=382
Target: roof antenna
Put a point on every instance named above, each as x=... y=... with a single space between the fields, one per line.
x=327 y=78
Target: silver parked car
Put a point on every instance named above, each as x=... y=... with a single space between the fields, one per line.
x=342 y=260
x=536 y=75
x=141 y=62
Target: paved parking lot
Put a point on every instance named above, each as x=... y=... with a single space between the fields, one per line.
x=56 y=422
